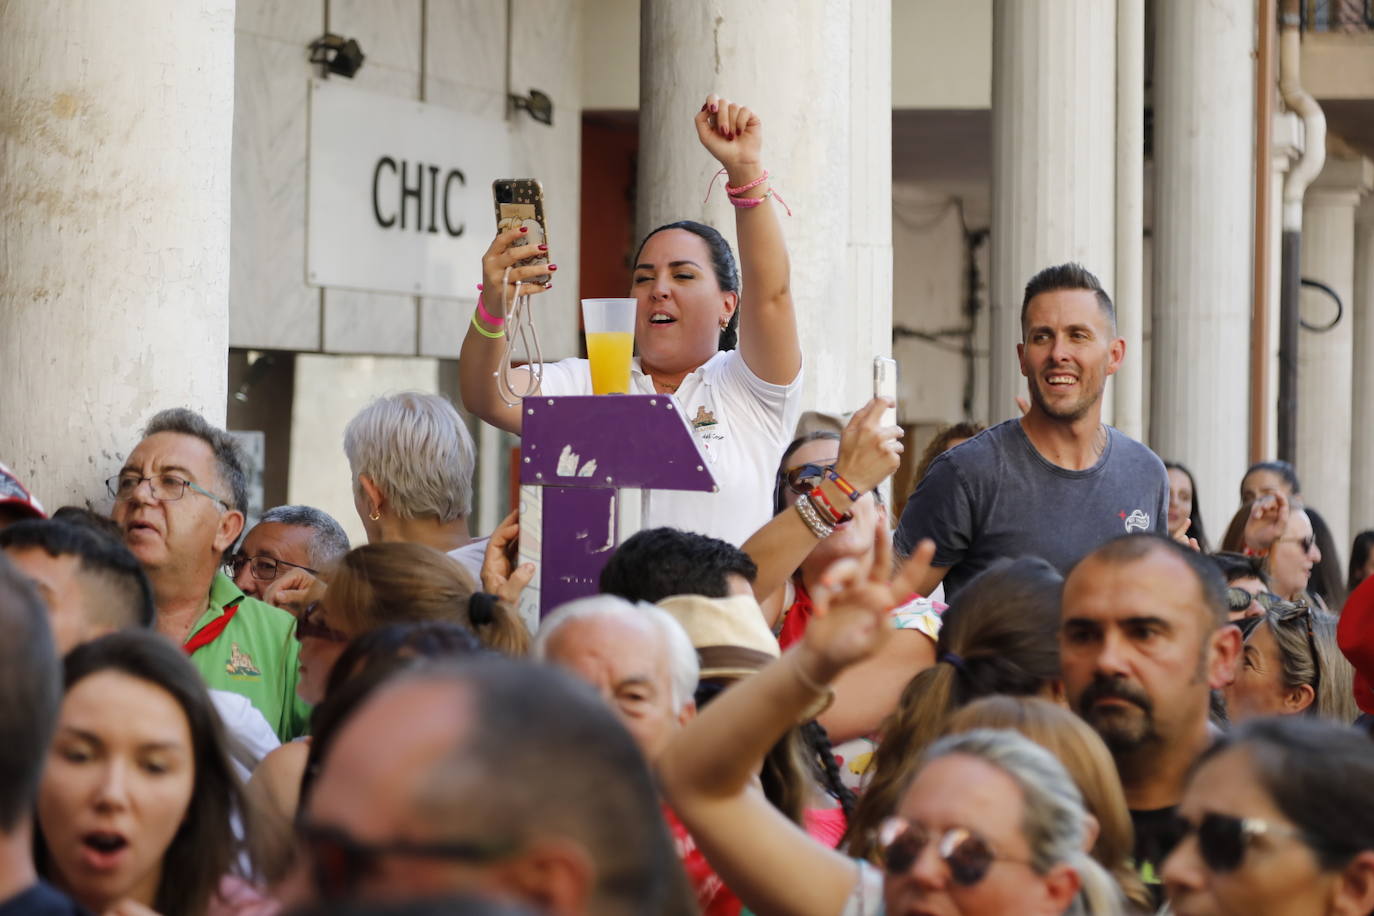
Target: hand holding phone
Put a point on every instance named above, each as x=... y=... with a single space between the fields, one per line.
x=520 y=203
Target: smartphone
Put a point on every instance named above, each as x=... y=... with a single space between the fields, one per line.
x=885 y=385
x=520 y=202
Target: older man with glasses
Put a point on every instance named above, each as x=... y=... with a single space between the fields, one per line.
x=179 y=500
x=283 y=553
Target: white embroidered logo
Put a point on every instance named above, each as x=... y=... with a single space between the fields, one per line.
x=1137 y=521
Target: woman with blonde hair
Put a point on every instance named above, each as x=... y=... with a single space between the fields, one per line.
x=1082 y=752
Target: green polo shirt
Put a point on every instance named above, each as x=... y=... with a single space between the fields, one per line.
x=257 y=655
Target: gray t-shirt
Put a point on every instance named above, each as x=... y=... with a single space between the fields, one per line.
x=995 y=496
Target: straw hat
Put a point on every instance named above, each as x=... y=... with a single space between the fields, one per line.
x=729 y=634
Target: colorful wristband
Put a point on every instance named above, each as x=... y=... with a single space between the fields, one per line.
x=735 y=192
x=488 y=317
x=493 y=335
x=821 y=503
x=845 y=486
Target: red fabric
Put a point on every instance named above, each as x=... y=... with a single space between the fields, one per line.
x=210 y=632
x=1355 y=636
x=714 y=898
x=798 y=616
x=826 y=825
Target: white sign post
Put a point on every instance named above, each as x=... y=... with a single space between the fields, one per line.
x=400 y=193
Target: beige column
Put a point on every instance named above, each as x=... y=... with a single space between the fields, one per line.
x=114 y=267
x=1053 y=161
x=1203 y=148
x=1129 y=401
x=1286 y=148
x=1362 y=404
x=1326 y=359
x=819 y=76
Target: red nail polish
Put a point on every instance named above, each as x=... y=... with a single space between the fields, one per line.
x=543 y=247
x=553 y=267
x=713 y=108
x=548 y=286
x=524 y=228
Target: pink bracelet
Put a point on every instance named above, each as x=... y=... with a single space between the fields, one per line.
x=735 y=192
x=488 y=317
x=749 y=203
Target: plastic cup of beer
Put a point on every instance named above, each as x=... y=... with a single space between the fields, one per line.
x=610 y=328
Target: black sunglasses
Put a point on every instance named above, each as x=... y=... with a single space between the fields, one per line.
x=1301 y=611
x=338 y=861
x=1223 y=839
x=308 y=626
x=966 y=854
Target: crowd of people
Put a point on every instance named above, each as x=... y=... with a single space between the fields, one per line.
x=1035 y=688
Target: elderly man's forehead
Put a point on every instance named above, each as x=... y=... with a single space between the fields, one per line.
x=171 y=451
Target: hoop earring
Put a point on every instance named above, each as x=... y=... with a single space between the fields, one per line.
x=375 y=515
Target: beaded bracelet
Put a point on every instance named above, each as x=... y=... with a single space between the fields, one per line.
x=845 y=486
x=493 y=335
x=488 y=317
x=821 y=503
x=813 y=520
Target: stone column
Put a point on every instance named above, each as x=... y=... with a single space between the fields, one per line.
x=1286 y=148
x=1204 y=151
x=819 y=76
x=114 y=272
x=1053 y=162
x=1362 y=404
x=1326 y=359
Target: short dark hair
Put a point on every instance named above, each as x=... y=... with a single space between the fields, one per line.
x=498 y=779
x=1128 y=548
x=659 y=562
x=722 y=265
x=1067 y=276
x=1360 y=549
x=229 y=459
x=204 y=848
x=31 y=685
x=327 y=544
x=1233 y=566
x=1283 y=468
x=120 y=594
x=1319 y=774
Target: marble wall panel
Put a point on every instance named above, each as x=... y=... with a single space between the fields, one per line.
x=389 y=34
x=270 y=305
x=361 y=322
x=443 y=324
x=298 y=21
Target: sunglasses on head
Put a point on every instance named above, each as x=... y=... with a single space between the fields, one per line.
x=1223 y=839
x=1300 y=612
x=966 y=854
x=308 y=626
x=338 y=861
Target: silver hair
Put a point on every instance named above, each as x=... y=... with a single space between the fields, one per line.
x=229 y=460
x=418 y=451
x=684 y=666
x=1055 y=822
x=327 y=544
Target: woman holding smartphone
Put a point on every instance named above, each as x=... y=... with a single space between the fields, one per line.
x=691 y=301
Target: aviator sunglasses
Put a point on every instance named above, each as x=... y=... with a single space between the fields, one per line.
x=966 y=854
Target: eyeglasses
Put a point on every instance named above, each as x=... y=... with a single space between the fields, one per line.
x=1300 y=611
x=1222 y=839
x=338 y=861
x=966 y=854
x=1307 y=543
x=803 y=478
x=164 y=487
x=309 y=627
x=1238 y=599
x=264 y=568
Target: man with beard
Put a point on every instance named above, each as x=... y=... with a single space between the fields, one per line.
x=1144 y=639
x=1057 y=482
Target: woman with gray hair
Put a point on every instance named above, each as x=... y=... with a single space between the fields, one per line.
x=1292 y=666
x=412 y=459
x=990 y=824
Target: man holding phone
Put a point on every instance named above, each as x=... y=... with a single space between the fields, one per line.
x=1057 y=482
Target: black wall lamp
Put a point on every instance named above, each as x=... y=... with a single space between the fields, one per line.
x=337 y=54
x=539 y=105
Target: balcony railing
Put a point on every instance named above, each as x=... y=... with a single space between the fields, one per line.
x=1338 y=15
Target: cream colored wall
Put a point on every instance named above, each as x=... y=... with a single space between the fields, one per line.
x=610 y=55
x=941 y=53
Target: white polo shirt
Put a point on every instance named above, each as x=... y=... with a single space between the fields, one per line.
x=742 y=424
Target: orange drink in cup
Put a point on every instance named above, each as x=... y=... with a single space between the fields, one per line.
x=610 y=328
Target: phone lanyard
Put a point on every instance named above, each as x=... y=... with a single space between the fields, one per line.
x=519 y=323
